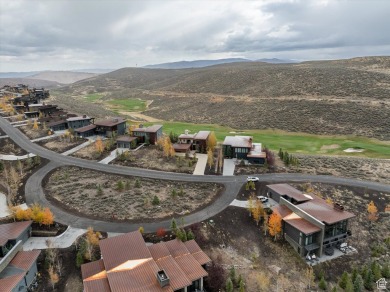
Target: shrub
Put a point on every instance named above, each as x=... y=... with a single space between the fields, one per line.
x=156 y=200
x=229 y=285
x=161 y=232
x=137 y=183
x=322 y=285
x=190 y=235
x=216 y=277
x=141 y=230
x=120 y=186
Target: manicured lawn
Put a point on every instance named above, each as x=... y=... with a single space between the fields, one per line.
x=132 y=105
x=93 y=97
x=293 y=142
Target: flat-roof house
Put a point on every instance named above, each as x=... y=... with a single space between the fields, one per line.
x=148 y=135
x=58 y=125
x=78 y=122
x=242 y=147
x=198 y=141
x=309 y=223
x=86 y=131
x=18 y=268
x=126 y=141
x=110 y=127
x=128 y=264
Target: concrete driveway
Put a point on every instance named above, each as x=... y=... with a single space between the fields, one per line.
x=228 y=167
x=201 y=164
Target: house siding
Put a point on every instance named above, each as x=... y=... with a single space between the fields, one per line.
x=78 y=124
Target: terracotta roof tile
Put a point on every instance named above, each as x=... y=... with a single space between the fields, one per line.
x=12 y=230
x=100 y=285
x=176 y=247
x=197 y=252
x=159 y=250
x=25 y=259
x=92 y=268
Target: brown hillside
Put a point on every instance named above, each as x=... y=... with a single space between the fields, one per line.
x=333 y=97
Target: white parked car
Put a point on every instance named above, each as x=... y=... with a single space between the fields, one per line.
x=263 y=199
x=252 y=178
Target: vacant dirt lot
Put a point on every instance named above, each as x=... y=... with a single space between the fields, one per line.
x=152 y=158
x=60 y=144
x=33 y=134
x=89 y=152
x=8 y=146
x=101 y=195
x=361 y=168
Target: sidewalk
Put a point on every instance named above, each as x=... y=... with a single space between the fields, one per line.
x=64 y=240
x=77 y=148
x=4 y=211
x=113 y=155
x=15 y=157
x=228 y=167
x=46 y=137
x=200 y=164
x=5 y=136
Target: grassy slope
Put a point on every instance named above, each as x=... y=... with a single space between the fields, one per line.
x=293 y=142
x=128 y=104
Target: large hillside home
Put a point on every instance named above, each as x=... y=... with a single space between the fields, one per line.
x=128 y=264
x=197 y=141
x=309 y=223
x=110 y=127
x=242 y=147
x=78 y=122
x=18 y=268
x=148 y=135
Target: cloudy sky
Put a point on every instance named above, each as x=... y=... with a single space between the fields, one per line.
x=64 y=35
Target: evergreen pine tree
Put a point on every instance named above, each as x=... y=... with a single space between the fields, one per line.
x=358 y=284
x=368 y=280
x=344 y=279
x=322 y=285
x=229 y=285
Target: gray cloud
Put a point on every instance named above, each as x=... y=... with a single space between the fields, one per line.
x=37 y=35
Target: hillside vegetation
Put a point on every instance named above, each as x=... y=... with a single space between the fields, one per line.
x=324 y=97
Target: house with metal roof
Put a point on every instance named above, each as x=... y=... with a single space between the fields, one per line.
x=196 y=141
x=309 y=223
x=148 y=135
x=18 y=268
x=242 y=147
x=110 y=127
x=128 y=264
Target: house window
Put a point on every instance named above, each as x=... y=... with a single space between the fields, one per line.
x=309 y=239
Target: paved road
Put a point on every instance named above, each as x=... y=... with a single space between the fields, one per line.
x=232 y=184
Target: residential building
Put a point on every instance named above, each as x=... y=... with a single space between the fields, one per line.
x=309 y=223
x=128 y=264
x=78 y=122
x=18 y=268
x=110 y=127
x=126 y=141
x=242 y=147
x=86 y=131
x=148 y=135
x=197 y=141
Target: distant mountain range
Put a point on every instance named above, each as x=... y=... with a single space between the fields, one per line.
x=206 y=63
x=48 y=72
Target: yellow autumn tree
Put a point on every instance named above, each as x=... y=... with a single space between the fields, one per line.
x=210 y=158
x=211 y=141
x=48 y=217
x=250 y=204
x=329 y=201
x=257 y=211
x=132 y=128
x=275 y=224
x=168 y=149
x=35 y=125
x=372 y=211
x=99 y=146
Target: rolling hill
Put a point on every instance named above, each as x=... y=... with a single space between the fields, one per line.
x=324 y=97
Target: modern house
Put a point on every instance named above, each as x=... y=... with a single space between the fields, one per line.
x=78 y=122
x=110 y=127
x=242 y=147
x=309 y=223
x=148 y=135
x=197 y=141
x=18 y=268
x=126 y=142
x=128 y=264
x=86 y=131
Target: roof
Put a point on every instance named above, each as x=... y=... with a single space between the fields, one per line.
x=12 y=230
x=301 y=224
x=257 y=151
x=202 y=135
x=238 y=141
x=286 y=189
x=151 y=129
x=125 y=138
x=10 y=282
x=56 y=123
x=127 y=264
x=324 y=212
x=85 y=129
x=25 y=259
x=183 y=146
x=110 y=122
x=81 y=118
x=187 y=136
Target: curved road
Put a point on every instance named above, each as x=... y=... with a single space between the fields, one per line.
x=34 y=191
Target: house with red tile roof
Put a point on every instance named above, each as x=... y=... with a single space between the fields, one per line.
x=128 y=264
x=18 y=268
x=309 y=223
